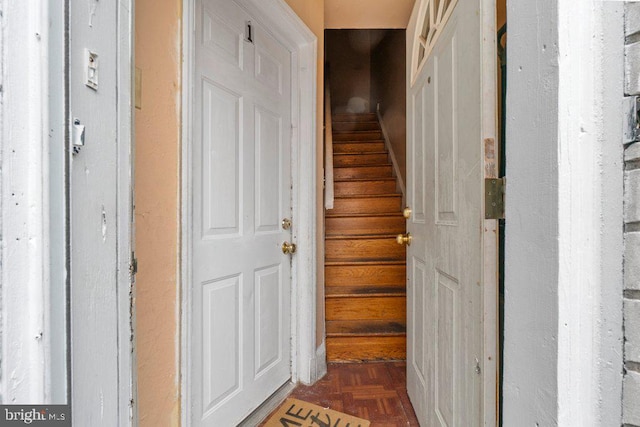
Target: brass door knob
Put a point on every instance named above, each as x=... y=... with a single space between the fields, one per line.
x=404 y=239
x=286 y=224
x=288 y=248
x=406 y=212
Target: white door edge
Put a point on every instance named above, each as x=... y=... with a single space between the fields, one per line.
x=126 y=320
x=490 y=364
x=289 y=30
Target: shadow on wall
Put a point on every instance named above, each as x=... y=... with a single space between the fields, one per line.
x=366 y=72
x=349 y=54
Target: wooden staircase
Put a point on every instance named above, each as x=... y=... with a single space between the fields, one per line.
x=365 y=269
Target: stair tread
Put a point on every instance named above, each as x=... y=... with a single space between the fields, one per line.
x=363 y=215
x=358 y=141
x=337 y=328
x=369 y=196
x=352 y=114
x=377 y=236
x=365 y=291
x=364 y=262
x=328 y=261
x=370 y=165
x=357 y=115
x=366 y=195
x=380 y=179
x=355 y=153
x=354 y=121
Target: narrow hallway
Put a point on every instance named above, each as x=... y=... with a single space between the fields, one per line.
x=375 y=391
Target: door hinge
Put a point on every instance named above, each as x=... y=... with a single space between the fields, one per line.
x=631 y=119
x=494 y=189
x=133 y=266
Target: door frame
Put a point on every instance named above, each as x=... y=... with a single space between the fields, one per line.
x=38 y=253
x=288 y=29
x=127 y=354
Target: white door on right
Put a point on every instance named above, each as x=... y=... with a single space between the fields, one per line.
x=445 y=174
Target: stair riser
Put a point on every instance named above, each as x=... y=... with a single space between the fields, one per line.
x=356 y=349
x=370 y=249
x=368 y=225
x=362 y=172
x=357 y=136
x=347 y=126
x=366 y=308
x=367 y=205
x=348 y=117
x=359 y=159
x=352 y=275
x=363 y=187
x=357 y=147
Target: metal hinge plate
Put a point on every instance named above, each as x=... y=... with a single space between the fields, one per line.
x=631 y=119
x=494 y=189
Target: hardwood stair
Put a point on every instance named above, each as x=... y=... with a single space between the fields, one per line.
x=365 y=269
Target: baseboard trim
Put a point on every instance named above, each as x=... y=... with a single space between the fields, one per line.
x=321 y=361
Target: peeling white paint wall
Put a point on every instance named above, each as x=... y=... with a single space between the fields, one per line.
x=531 y=271
x=563 y=280
x=631 y=390
x=25 y=239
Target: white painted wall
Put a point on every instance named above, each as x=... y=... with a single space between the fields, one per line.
x=26 y=330
x=563 y=280
x=631 y=382
x=33 y=195
x=531 y=272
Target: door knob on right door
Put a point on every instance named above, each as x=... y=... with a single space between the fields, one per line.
x=406 y=212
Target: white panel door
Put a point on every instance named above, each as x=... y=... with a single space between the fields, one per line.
x=241 y=192
x=444 y=186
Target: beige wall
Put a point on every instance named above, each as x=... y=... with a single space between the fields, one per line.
x=312 y=13
x=157 y=171
x=388 y=62
x=367 y=13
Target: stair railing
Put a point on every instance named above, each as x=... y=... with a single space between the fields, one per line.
x=328 y=148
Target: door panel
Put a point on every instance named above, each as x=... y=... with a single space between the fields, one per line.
x=222 y=156
x=445 y=178
x=221 y=338
x=241 y=186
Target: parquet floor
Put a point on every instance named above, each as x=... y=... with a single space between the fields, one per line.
x=375 y=391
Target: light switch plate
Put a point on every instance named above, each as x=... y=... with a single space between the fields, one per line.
x=91 y=69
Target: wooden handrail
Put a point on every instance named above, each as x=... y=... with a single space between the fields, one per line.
x=328 y=148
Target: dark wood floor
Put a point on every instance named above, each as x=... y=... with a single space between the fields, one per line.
x=374 y=391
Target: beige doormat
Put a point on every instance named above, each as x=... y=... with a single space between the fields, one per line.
x=294 y=412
